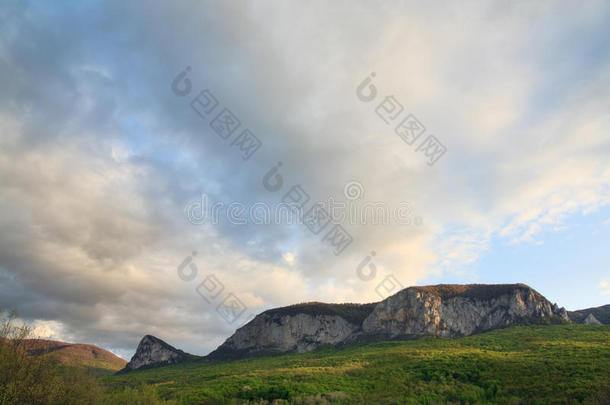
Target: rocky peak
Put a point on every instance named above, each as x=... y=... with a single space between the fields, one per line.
x=154 y=351
x=602 y=314
x=591 y=320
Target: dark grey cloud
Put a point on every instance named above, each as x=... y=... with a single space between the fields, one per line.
x=99 y=158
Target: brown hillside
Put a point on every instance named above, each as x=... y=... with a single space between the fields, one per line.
x=75 y=354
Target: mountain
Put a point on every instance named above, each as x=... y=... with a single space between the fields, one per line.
x=76 y=354
x=295 y=328
x=532 y=364
x=441 y=310
x=591 y=320
x=602 y=314
x=447 y=310
x=153 y=351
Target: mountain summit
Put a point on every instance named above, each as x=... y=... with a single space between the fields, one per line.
x=448 y=310
x=154 y=351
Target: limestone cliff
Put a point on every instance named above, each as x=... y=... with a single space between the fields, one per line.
x=441 y=310
x=297 y=328
x=458 y=310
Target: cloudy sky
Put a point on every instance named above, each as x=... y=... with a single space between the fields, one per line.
x=105 y=162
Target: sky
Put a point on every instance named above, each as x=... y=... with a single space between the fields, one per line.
x=122 y=124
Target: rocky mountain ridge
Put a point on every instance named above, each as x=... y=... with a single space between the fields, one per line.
x=447 y=310
x=441 y=310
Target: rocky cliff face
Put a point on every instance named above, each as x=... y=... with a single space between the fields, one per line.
x=297 y=328
x=457 y=310
x=290 y=333
x=442 y=310
x=153 y=351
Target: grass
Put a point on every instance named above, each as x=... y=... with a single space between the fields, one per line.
x=522 y=364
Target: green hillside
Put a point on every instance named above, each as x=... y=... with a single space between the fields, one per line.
x=523 y=364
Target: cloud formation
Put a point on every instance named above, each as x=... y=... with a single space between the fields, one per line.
x=98 y=157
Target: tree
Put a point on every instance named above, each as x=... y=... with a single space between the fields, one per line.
x=27 y=379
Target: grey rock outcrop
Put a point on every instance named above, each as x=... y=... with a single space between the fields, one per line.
x=297 y=328
x=441 y=310
x=298 y=333
x=152 y=351
x=457 y=310
x=591 y=320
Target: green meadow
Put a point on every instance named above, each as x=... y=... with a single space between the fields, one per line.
x=517 y=365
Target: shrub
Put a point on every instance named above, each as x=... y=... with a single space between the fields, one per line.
x=145 y=395
x=26 y=379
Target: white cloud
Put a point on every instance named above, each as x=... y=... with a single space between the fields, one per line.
x=98 y=157
x=42 y=329
x=289 y=258
x=604 y=286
